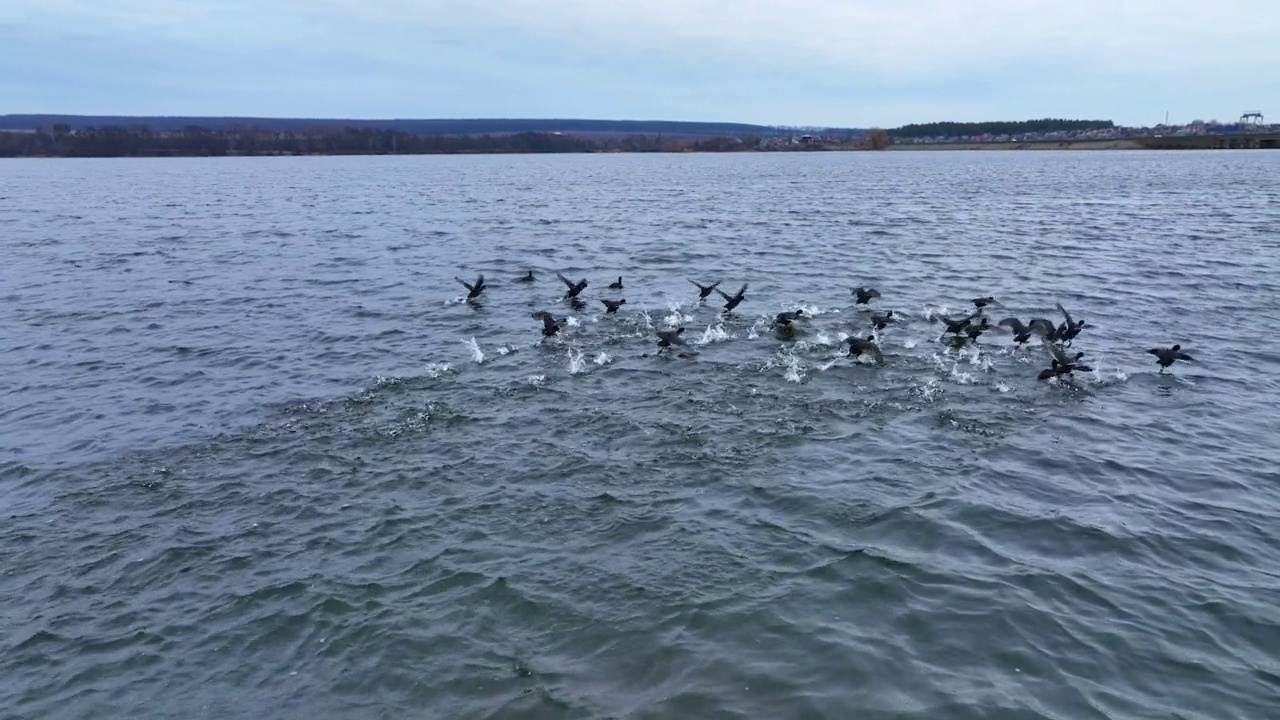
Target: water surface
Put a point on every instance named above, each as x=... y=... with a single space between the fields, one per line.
x=257 y=459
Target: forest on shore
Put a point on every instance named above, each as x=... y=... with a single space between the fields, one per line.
x=65 y=139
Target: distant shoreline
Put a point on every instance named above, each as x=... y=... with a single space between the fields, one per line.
x=996 y=146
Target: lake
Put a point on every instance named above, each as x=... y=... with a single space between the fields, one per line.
x=258 y=458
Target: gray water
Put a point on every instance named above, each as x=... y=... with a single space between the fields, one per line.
x=259 y=460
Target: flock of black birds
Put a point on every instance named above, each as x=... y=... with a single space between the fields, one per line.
x=958 y=330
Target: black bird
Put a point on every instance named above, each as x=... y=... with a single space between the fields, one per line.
x=667 y=338
x=956 y=326
x=865 y=295
x=611 y=306
x=983 y=302
x=616 y=285
x=1057 y=369
x=1050 y=372
x=1065 y=364
x=1168 y=356
x=860 y=346
x=973 y=331
x=1068 y=330
x=528 y=277
x=705 y=290
x=574 y=288
x=1021 y=333
x=732 y=301
x=879 y=322
x=550 y=325
x=473 y=291
x=788 y=317
x=783 y=322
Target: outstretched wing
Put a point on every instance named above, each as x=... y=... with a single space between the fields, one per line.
x=1065 y=314
x=1013 y=324
x=565 y=280
x=1042 y=327
x=465 y=284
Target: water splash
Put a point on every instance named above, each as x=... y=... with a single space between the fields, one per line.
x=576 y=363
x=435 y=370
x=795 y=369
x=676 y=318
x=930 y=391
x=476 y=353
x=536 y=380
x=713 y=333
x=604 y=358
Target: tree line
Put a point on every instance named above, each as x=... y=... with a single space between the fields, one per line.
x=60 y=140
x=1022 y=127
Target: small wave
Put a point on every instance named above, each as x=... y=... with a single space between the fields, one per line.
x=476 y=353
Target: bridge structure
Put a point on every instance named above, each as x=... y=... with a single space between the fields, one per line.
x=1251 y=117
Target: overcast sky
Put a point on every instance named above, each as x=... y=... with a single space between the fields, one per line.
x=798 y=62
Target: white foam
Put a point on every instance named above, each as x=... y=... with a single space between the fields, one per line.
x=604 y=358
x=476 y=353
x=1002 y=387
x=536 y=380
x=572 y=321
x=435 y=370
x=910 y=344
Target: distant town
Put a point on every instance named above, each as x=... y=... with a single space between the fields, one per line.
x=86 y=136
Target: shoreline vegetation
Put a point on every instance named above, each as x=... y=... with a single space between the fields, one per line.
x=233 y=138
